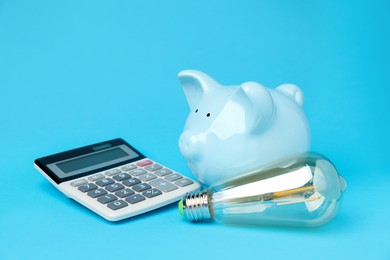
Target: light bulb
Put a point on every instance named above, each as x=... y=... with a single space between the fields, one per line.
x=303 y=190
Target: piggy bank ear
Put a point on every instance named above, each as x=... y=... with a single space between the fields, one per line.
x=293 y=92
x=258 y=105
x=195 y=85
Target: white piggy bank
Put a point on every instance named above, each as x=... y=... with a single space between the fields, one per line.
x=234 y=129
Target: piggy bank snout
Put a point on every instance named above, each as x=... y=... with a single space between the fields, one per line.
x=189 y=146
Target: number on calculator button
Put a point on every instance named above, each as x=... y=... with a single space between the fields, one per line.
x=96 y=193
x=118 y=204
x=105 y=182
x=107 y=198
x=124 y=193
x=87 y=187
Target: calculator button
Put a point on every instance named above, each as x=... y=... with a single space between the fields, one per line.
x=96 y=193
x=118 y=204
x=128 y=167
x=107 y=198
x=162 y=172
x=78 y=182
x=114 y=187
x=135 y=198
x=147 y=177
x=141 y=187
x=153 y=167
x=163 y=185
x=96 y=177
x=131 y=182
x=105 y=182
x=184 y=182
x=151 y=193
x=137 y=172
x=173 y=177
x=144 y=163
x=121 y=177
x=113 y=172
x=124 y=193
x=87 y=187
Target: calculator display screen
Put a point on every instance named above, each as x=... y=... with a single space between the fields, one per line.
x=69 y=167
x=92 y=159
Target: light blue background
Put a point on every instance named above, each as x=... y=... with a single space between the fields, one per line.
x=73 y=73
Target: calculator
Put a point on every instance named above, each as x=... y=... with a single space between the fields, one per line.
x=114 y=180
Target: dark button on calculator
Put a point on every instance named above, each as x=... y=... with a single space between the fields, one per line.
x=151 y=193
x=131 y=182
x=107 y=198
x=87 y=187
x=124 y=193
x=141 y=187
x=114 y=187
x=105 y=182
x=118 y=204
x=96 y=193
x=135 y=198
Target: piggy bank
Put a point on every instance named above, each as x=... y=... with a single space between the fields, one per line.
x=235 y=129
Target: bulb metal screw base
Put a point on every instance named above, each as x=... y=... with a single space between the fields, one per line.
x=195 y=207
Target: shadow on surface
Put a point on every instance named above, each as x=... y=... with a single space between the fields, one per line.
x=345 y=221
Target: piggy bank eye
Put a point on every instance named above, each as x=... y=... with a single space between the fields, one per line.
x=208 y=114
x=196 y=111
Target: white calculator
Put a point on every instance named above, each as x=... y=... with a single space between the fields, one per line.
x=114 y=180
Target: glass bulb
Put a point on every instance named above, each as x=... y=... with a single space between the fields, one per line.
x=303 y=190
